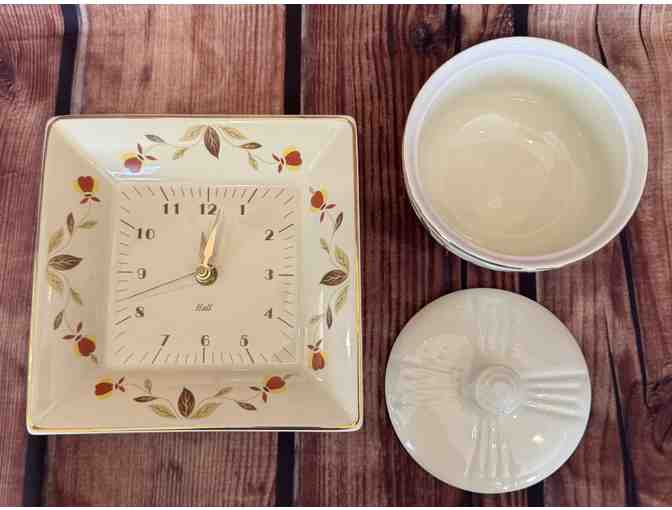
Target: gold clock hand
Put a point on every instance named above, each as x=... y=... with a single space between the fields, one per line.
x=210 y=243
x=157 y=286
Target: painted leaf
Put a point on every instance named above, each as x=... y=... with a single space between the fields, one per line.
x=180 y=152
x=342 y=258
x=211 y=140
x=255 y=388
x=192 y=133
x=70 y=222
x=324 y=244
x=252 y=161
x=206 y=410
x=250 y=146
x=154 y=138
x=315 y=319
x=64 y=262
x=223 y=391
x=55 y=239
x=76 y=296
x=334 y=277
x=186 y=402
x=163 y=411
x=330 y=317
x=233 y=132
x=339 y=221
x=139 y=150
x=246 y=405
x=145 y=398
x=88 y=224
x=264 y=397
x=55 y=282
x=341 y=298
x=148 y=385
x=58 y=320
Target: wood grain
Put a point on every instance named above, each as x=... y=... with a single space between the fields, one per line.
x=638 y=50
x=369 y=62
x=177 y=60
x=591 y=298
x=181 y=59
x=30 y=47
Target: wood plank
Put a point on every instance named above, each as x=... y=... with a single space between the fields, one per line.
x=30 y=48
x=591 y=298
x=638 y=50
x=178 y=60
x=369 y=62
x=181 y=59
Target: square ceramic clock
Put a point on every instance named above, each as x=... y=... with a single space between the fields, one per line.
x=196 y=273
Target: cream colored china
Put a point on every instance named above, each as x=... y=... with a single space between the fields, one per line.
x=487 y=390
x=125 y=338
x=552 y=146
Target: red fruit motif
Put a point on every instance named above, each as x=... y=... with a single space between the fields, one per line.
x=291 y=159
x=104 y=388
x=87 y=186
x=133 y=164
x=274 y=384
x=318 y=200
x=86 y=183
x=318 y=361
x=86 y=346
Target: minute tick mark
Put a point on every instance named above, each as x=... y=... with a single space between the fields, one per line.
x=250 y=355
x=126 y=223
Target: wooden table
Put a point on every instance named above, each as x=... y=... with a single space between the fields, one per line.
x=368 y=62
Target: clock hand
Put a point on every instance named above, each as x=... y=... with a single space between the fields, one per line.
x=157 y=286
x=210 y=243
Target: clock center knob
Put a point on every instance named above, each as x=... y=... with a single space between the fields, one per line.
x=206 y=275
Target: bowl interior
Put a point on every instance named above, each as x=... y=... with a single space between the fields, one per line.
x=524 y=154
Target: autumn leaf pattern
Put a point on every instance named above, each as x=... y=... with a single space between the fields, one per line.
x=187 y=406
x=61 y=263
x=212 y=137
x=335 y=280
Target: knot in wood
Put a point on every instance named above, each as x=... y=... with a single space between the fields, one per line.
x=7 y=75
x=422 y=37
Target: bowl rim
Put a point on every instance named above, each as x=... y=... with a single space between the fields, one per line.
x=630 y=125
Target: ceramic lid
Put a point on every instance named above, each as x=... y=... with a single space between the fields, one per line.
x=487 y=390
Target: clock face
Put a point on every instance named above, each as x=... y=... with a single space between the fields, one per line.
x=204 y=276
